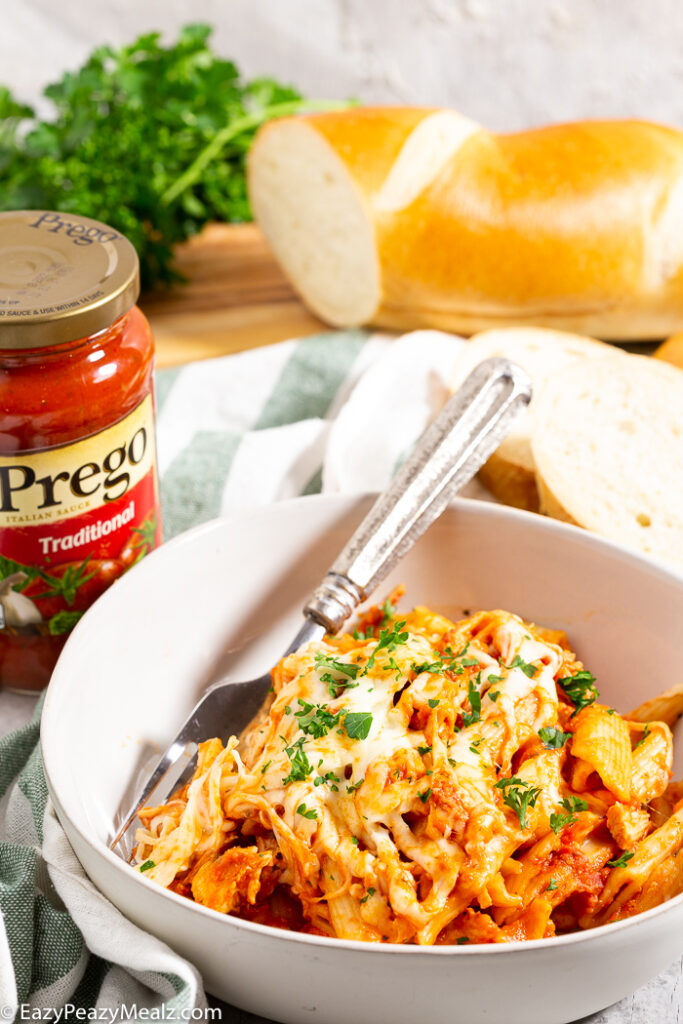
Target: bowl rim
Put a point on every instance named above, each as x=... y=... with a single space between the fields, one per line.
x=488 y=509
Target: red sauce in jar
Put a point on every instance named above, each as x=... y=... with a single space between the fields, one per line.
x=78 y=483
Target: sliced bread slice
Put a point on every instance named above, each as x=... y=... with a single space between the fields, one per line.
x=509 y=474
x=607 y=443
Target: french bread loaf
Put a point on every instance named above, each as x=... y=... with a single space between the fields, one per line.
x=607 y=443
x=510 y=472
x=407 y=217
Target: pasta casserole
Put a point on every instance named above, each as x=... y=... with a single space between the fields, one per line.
x=427 y=781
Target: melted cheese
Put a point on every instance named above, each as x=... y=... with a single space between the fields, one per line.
x=382 y=773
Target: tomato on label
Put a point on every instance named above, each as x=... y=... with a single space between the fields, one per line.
x=72 y=585
x=142 y=539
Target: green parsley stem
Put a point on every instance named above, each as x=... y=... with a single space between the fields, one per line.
x=235 y=128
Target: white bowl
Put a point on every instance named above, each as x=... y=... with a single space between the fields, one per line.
x=136 y=663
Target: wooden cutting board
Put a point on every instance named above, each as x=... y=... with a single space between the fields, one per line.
x=236 y=297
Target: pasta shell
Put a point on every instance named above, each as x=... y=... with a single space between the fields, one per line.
x=602 y=739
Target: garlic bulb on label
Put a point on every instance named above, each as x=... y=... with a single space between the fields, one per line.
x=15 y=608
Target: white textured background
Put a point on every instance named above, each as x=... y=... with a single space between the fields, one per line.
x=506 y=63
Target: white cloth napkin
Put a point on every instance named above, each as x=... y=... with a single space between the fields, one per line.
x=334 y=413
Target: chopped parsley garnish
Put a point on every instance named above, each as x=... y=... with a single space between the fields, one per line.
x=147 y=865
x=646 y=733
x=551 y=886
x=369 y=893
x=494 y=679
x=388 y=612
x=433 y=667
x=450 y=662
x=459 y=661
x=423 y=750
x=343 y=667
x=314 y=719
x=395 y=667
x=305 y=812
x=527 y=668
x=559 y=821
x=519 y=796
x=433 y=701
x=330 y=778
x=424 y=797
x=622 y=861
x=354 y=786
x=474 y=698
x=335 y=684
x=263 y=769
x=580 y=689
x=451 y=762
x=354 y=840
x=574 y=803
x=553 y=738
x=357 y=724
x=300 y=766
x=462 y=940
x=389 y=640
x=493 y=694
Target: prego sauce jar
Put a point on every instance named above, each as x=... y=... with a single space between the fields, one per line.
x=78 y=482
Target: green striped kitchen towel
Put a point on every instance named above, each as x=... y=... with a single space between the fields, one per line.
x=334 y=412
x=65 y=951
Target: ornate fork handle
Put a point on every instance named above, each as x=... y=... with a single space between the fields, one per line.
x=469 y=429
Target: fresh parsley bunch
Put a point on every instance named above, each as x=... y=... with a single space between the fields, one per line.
x=147 y=138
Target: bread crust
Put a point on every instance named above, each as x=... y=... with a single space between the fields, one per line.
x=548 y=504
x=671 y=351
x=509 y=483
x=367 y=139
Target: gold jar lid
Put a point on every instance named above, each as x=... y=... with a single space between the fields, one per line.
x=62 y=277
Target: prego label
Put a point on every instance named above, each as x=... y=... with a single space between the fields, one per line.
x=48 y=485
x=72 y=520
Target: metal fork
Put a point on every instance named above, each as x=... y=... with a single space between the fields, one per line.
x=469 y=428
